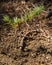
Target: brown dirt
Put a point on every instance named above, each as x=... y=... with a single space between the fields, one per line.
x=28 y=44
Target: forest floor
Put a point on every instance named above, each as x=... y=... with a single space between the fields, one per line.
x=31 y=42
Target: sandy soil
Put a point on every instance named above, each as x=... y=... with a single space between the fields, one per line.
x=28 y=44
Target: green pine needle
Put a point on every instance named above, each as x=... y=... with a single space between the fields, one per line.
x=28 y=16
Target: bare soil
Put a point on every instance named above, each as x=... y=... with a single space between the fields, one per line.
x=31 y=42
